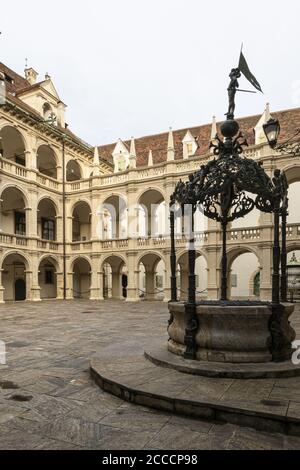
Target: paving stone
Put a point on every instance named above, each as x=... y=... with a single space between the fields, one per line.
x=48 y=358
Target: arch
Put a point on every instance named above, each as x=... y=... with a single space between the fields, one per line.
x=46 y=161
x=77 y=258
x=73 y=171
x=150 y=252
x=235 y=252
x=81 y=221
x=13 y=145
x=81 y=277
x=150 y=202
x=294 y=194
x=17 y=253
x=15 y=186
x=14 y=267
x=13 y=211
x=243 y=267
x=113 y=268
x=114 y=211
x=53 y=259
x=292 y=173
x=47 y=276
x=201 y=272
x=151 y=188
x=53 y=201
x=148 y=277
x=112 y=258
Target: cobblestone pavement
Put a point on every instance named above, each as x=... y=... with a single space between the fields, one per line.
x=48 y=401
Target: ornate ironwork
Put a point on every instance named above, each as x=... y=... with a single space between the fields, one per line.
x=228 y=188
x=290 y=146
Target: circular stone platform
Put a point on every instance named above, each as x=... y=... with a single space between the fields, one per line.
x=160 y=356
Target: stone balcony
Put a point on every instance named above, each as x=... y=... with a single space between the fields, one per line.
x=180 y=167
x=247 y=236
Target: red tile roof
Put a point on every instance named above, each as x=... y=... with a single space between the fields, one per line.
x=17 y=83
x=289 y=121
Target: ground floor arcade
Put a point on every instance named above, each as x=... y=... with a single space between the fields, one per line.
x=134 y=276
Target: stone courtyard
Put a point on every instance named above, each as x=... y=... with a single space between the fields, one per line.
x=48 y=400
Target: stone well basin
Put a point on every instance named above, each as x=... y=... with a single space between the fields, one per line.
x=237 y=333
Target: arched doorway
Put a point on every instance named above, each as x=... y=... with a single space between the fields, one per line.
x=201 y=276
x=14 y=277
x=20 y=290
x=115 y=278
x=151 y=277
x=81 y=279
x=48 y=278
x=245 y=276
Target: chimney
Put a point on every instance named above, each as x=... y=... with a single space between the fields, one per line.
x=31 y=75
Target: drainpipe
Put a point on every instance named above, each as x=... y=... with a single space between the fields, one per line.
x=64 y=218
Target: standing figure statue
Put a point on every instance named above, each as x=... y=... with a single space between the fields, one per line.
x=233 y=86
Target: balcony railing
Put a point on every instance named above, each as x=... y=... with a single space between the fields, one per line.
x=249 y=235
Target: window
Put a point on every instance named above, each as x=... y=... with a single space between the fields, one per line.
x=49 y=276
x=20 y=223
x=189 y=148
x=122 y=163
x=48 y=229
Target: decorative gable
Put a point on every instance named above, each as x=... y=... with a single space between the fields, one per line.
x=43 y=97
x=121 y=157
x=260 y=137
x=189 y=145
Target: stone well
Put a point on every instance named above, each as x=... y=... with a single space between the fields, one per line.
x=232 y=333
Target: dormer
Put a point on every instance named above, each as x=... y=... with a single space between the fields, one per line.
x=260 y=136
x=121 y=156
x=43 y=97
x=189 y=145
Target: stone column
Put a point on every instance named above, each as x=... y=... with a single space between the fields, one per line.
x=213 y=273
x=95 y=218
x=184 y=283
x=33 y=290
x=1 y=288
x=167 y=277
x=69 y=276
x=59 y=285
x=150 y=285
x=266 y=256
x=133 y=279
x=95 y=293
x=101 y=285
x=116 y=285
x=31 y=214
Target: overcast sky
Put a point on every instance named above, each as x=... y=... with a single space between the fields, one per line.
x=135 y=67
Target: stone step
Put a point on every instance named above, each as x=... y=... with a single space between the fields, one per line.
x=266 y=404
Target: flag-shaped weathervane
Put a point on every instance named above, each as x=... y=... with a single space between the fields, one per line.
x=233 y=87
x=244 y=68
